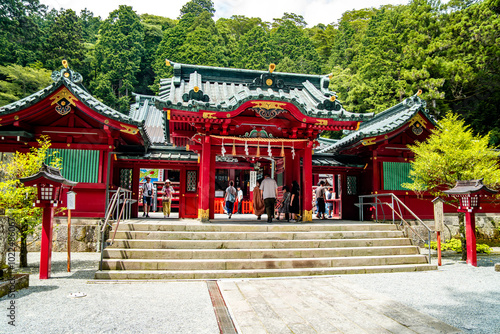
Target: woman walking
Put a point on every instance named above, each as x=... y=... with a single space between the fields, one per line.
x=230 y=198
x=285 y=205
x=258 y=204
x=294 y=201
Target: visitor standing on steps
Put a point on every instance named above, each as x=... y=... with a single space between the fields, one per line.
x=240 y=200
x=258 y=203
x=147 y=195
x=230 y=198
x=168 y=192
x=294 y=201
x=269 y=189
x=320 y=198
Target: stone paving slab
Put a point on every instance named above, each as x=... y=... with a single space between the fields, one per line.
x=321 y=305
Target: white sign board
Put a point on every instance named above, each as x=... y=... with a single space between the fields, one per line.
x=70 y=200
x=253 y=179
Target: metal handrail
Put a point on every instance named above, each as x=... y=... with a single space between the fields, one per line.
x=120 y=195
x=398 y=212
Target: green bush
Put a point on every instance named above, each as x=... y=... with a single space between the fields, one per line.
x=456 y=245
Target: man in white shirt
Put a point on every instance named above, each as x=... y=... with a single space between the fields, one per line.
x=240 y=199
x=147 y=196
x=269 y=189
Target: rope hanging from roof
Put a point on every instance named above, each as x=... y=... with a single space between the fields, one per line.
x=223 y=149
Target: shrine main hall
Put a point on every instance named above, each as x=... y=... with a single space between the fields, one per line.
x=210 y=125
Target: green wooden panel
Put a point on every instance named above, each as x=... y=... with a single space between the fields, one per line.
x=396 y=173
x=78 y=165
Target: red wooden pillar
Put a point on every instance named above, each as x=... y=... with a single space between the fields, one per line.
x=204 y=195
x=470 y=228
x=289 y=172
x=307 y=183
x=46 y=245
x=376 y=173
x=136 y=174
x=212 y=185
x=296 y=169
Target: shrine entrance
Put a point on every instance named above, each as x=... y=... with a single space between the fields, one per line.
x=130 y=174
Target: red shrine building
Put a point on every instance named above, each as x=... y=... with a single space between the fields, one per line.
x=209 y=125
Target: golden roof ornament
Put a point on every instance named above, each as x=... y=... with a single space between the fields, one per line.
x=272 y=67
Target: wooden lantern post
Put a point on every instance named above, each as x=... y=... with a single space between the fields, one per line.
x=469 y=193
x=49 y=183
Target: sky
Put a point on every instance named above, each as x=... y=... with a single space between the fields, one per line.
x=313 y=11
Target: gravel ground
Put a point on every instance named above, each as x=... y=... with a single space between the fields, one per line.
x=461 y=295
x=147 y=307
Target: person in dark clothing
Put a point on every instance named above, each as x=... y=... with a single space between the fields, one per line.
x=294 y=201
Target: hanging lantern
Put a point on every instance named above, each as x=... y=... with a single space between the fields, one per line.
x=282 y=154
x=258 y=150
x=234 y=149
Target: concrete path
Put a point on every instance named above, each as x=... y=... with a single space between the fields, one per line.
x=320 y=305
x=306 y=305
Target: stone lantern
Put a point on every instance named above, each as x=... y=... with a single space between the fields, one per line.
x=469 y=194
x=50 y=184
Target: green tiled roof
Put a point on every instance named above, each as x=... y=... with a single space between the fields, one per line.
x=73 y=83
x=384 y=122
x=144 y=111
x=163 y=152
x=194 y=88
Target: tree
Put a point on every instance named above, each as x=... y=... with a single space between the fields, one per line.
x=16 y=198
x=18 y=82
x=64 y=41
x=20 y=31
x=253 y=50
x=196 y=7
x=194 y=40
x=453 y=152
x=288 y=39
x=118 y=55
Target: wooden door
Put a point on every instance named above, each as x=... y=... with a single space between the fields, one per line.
x=189 y=194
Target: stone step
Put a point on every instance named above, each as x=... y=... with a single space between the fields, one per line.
x=281 y=227
x=245 y=244
x=275 y=263
x=122 y=253
x=179 y=235
x=256 y=273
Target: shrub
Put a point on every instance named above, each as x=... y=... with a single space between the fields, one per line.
x=456 y=245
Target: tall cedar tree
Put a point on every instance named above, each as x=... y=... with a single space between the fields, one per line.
x=20 y=31
x=118 y=54
x=64 y=41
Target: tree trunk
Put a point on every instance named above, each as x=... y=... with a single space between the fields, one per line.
x=463 y=238
x=23 y=253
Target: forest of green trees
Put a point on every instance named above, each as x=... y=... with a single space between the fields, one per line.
x=377 y=56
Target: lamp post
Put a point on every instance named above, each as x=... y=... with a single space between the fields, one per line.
x=49 y=183
x=468 y=194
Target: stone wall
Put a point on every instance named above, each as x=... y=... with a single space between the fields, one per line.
x=84 y=235
x=488 y=226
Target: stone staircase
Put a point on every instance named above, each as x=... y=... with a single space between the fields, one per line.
x=162 y=250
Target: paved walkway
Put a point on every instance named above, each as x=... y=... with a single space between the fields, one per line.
x=455 y=298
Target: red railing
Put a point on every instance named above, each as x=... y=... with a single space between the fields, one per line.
x=247 y=206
